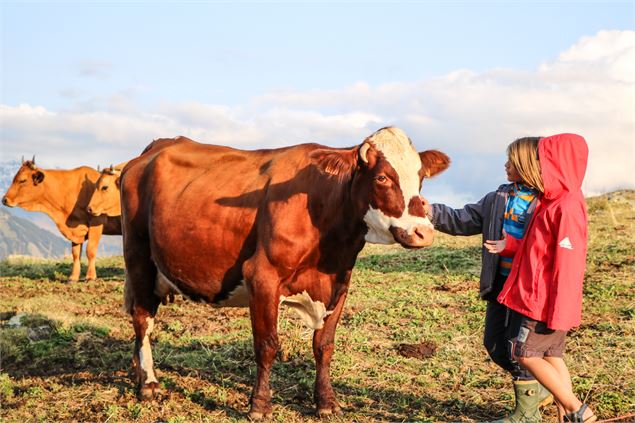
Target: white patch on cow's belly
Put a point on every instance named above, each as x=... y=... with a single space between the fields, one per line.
x=145 y=353
x=239 y=297
x=311 y=312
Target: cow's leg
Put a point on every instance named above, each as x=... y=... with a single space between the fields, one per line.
x=94 y=235
x=143 y=322
x=142 y=304
x=323 y=345
x=263 y=307
x=76 y=251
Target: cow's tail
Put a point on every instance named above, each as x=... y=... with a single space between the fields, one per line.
x=128 y=299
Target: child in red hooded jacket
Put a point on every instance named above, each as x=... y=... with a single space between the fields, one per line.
x=544 y=287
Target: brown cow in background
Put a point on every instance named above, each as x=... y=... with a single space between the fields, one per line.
x=63 y=195
x=265 y=228
x=106 y=198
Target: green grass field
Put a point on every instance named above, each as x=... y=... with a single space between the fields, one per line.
x=69 y=359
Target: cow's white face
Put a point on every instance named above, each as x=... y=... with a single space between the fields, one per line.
x=386 y=174
x=394 y=147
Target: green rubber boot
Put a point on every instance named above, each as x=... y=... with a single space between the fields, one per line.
x=530 y=395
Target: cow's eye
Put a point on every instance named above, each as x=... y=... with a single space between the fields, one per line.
x=21 y=181
x=381 y=179
x=104 y=188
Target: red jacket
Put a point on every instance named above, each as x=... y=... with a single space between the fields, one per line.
x=545 y=282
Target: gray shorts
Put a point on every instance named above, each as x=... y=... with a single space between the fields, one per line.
x=535 y=339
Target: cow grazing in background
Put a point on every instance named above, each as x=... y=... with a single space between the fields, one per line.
x=264 y=228
x=106 y=198
x=63 y=195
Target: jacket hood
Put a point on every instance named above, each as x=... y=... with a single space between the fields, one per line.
x=563 y=161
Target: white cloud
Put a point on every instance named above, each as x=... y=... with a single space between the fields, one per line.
x=588 y=89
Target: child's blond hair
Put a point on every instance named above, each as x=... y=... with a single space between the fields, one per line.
x=523 y=154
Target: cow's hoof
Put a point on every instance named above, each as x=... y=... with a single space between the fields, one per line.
x=331 y=410
x=90 y=280
x=149 y=391
x=256 y=416
x=259 y=414
x=70 y=280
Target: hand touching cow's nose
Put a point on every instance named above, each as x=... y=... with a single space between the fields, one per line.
x=427 y=207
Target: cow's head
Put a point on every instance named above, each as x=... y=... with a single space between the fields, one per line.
x=28 y=186
x=386 y=174
x=105 y=199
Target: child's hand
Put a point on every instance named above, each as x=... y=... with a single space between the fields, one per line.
x=427 y=207
x=495 y=247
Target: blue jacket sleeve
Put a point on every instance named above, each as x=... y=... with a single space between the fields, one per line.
x=466 y=221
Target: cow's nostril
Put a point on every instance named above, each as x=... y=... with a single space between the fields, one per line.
x=90 y=209
x=5 y=201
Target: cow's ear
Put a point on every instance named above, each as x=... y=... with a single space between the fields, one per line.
x=38 y=177
x=338 y=163
x=117 y=181
x=433 y=162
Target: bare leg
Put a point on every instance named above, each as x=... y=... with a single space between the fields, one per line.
x=263 y=307
x=563 y=371
x=560 y=366
x=323 y=345
x=551 y=379
x=94 y=235
x=76 y=250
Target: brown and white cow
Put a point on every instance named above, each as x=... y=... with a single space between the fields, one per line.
x=63 y=195
x=264 y=228
x=106 y=198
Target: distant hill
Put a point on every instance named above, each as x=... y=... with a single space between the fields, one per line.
x=19 y=236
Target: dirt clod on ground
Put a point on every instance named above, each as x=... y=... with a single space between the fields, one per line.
x=423 y=350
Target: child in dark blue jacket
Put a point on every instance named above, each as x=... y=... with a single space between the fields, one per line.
x=508 y=209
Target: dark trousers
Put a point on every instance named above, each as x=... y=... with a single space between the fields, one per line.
x=499 y=330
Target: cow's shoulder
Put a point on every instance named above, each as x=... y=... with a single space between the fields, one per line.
x=281 y=163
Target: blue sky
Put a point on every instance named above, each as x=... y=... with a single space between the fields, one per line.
x=106 y=78
x=227 y=53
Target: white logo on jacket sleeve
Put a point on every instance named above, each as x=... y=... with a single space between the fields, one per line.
x=566 y=243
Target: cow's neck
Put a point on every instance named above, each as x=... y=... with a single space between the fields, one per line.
x=343 y=223
x=59 y=199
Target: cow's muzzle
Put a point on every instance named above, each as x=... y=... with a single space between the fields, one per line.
x=419 y=236
x=5 y=202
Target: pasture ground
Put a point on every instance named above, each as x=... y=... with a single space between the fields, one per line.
x=68 y=359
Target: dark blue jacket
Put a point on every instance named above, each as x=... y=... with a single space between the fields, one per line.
x=484 y=217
